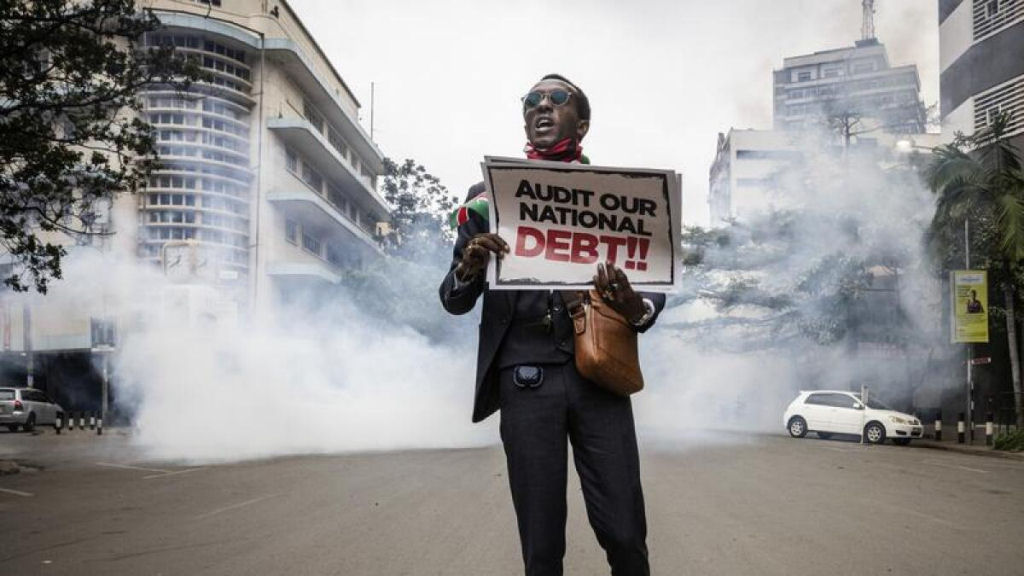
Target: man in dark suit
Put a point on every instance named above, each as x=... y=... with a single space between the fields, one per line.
x=525 y=368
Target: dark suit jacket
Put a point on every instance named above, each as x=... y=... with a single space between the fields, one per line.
x=498 y=308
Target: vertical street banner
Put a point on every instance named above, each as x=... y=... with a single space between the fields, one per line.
x=969 y=299
x=560 y=220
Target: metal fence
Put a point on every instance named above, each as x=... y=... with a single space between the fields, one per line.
x=1001 y=407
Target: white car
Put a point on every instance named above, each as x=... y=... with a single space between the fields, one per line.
x=26 y=407
x=828 y=412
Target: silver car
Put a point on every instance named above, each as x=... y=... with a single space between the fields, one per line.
x=26 y=408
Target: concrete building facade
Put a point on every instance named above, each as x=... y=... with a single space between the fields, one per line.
x=981 y=61
x=857 y=79
x=743 y=175
x=266 y=188
x=881 y=103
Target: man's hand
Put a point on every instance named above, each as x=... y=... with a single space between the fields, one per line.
x=611 y=282
x=477 y=254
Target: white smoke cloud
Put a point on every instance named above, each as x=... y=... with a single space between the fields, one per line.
x=326 y=376
x=326 y=379
x=739 y=368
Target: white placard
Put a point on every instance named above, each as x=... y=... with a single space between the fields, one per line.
x=560 y=220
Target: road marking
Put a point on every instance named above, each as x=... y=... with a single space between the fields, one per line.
x=234 y=506
x=176 y=472
x=928 y=516
x=126 y=467
x=954 y=466
x=836 y=449
x=16 y=492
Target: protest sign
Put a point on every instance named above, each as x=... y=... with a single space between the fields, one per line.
x=560 y=220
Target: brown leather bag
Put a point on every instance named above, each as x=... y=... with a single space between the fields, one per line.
x=606 y=344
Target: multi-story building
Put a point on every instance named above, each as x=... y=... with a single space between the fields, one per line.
x=852 y=95
x=981 y=63
x=266 y=188
x=743 y=175
x=856 y=81
x=981 y=46
x=269 y=181
x=747 y=175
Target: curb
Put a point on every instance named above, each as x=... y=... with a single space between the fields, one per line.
x=989 y=452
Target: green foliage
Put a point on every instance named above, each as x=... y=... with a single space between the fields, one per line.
x=421 y=206
x=401 y=288
x=826 y=268
x=749 y=267
x=979 y=178
x=400 y=292
x=1012 y=442
x=70 y=135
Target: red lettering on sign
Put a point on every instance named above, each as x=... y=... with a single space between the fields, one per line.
x=558 y=245
x=584 y=248
x=525 y=234
x=581 y=247
x=613 y=243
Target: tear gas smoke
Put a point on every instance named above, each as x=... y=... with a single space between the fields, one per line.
x=824 y=284
x=380 y=366
x=321 y=376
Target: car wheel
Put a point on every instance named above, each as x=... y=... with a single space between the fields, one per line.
x=12 y=427
x=824 y=435
x=30 y=424
x=901 y=441
x=797 y=427
x=874 y=433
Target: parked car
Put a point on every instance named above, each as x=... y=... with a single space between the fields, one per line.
x=27 y=408
x=828 y=412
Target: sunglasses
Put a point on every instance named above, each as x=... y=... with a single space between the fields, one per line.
x=557 y=98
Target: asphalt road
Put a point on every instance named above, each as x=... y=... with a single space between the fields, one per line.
x=733 y=506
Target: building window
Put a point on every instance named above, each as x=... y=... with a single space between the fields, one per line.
x=992 y=113
x=864 y=68
x=337 y=142
x=991 y=8
x=335 y=197
x=313 y=116
x=291 y=231
x=767 y=155
x=311 y=244
x=313 y=178
x=291 y=160
x=803 y=77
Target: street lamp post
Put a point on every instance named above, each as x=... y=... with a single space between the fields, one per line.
x=104 y=350
x=969 y=401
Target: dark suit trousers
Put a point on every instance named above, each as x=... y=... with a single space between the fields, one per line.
x=535 y=423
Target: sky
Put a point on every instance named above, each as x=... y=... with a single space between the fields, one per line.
x=663 y=77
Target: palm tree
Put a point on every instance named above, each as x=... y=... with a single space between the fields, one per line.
x=980 y=177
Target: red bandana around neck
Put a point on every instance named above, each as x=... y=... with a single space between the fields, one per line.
x=566 y=150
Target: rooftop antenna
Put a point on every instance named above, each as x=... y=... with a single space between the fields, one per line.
x=371 y=110
x=867 y=30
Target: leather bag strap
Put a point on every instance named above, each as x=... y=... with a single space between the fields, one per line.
x=573 y=301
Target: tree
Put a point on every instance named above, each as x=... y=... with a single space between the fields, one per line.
x=821 y=296
x=979 y=178
x=421 y=205
x=849 y=115
x=70 y=132
x=420 y=248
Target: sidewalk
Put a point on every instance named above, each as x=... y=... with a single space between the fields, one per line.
x=950 y=444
